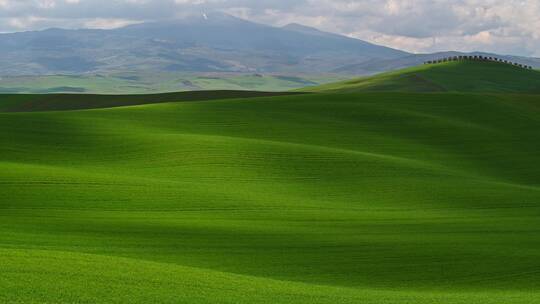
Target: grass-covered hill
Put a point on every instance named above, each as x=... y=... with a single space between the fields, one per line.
x=314 y=198
x=455 y=76
x=158 y=82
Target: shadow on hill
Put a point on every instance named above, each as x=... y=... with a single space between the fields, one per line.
x=64 y=102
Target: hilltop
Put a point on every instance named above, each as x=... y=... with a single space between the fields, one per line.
x=455 y=76
x=393 y=64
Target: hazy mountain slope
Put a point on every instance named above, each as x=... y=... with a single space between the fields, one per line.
x=221 y=31
x=460 y=76
x=213 y=42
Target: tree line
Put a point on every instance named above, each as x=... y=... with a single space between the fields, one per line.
x=478 y=58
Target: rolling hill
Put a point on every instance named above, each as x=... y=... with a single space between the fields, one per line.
x=158 y=82
x=333 y=197
x=458 y=76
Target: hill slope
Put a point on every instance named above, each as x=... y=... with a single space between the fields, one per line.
x=316 y=198
x=378 y=66
x=461 y=76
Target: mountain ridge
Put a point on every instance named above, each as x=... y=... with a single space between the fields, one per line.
x=209 y=43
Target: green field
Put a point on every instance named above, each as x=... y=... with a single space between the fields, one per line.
x=152 y=83
x=368 y=197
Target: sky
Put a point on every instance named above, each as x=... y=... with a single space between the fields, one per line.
x=420 y=26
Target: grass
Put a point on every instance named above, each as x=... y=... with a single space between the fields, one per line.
x=315 y=198
x=460 y=76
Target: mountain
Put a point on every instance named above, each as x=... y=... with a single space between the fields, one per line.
x=212 y=42
x=454 y=76
x=208 y=43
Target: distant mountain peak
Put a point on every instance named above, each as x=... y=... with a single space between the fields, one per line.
x=202 y=18
x=213 y=16
x=296 y=27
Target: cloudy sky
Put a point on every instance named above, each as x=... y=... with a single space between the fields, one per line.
x=501 y=26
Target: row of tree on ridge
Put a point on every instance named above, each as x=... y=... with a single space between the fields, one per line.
x=478 y=58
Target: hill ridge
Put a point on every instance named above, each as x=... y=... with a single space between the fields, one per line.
x=476 y=75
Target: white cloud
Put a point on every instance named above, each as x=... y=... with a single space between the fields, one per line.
x=101 y=23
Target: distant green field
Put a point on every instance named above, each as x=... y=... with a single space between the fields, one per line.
x=151 y=83
x=460 y=76
x=316 y=198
